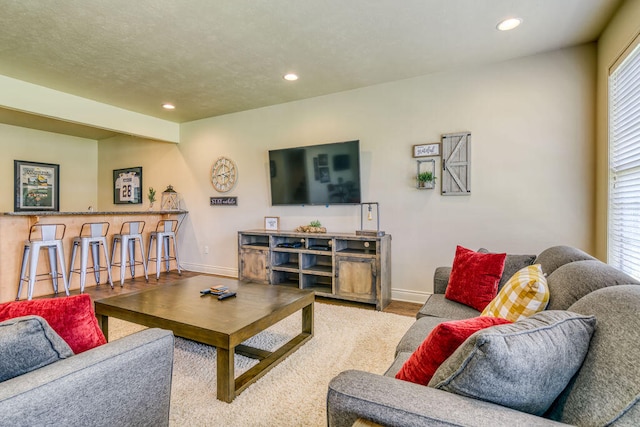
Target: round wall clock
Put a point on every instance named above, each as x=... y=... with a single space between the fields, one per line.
x=224 y=174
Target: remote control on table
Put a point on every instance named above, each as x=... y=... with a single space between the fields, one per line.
x=205 y=291
x=227 y=295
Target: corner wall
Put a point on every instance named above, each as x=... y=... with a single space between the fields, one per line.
x=622 y=29
x=533 y=139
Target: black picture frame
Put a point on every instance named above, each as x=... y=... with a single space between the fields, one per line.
x=127 y=186
x=36 y=186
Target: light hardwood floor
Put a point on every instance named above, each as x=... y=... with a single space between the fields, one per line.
x=139 y=283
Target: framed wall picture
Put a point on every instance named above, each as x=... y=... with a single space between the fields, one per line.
x=324 y=174
x=36 y=186
x=127 y=186
x=426 y=150
x=272 y=223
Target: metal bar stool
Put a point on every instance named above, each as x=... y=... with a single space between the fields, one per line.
x=43 y=236
x=92 y=235
x=130 y=233
x=165 y=231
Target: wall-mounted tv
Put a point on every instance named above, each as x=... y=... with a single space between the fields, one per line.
x=325 y=174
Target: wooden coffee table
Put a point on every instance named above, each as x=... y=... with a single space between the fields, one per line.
x=224 y=324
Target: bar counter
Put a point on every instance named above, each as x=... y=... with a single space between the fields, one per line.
x=14 y=230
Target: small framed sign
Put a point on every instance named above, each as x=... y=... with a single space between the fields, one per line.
x=426 y=150
x=272 y=223
x=127 y=186
x=224 y=201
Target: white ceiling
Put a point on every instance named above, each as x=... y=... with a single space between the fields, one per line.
x=213 y=57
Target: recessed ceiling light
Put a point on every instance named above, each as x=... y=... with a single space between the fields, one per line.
x=168 y=106
x=509 y=24
x=291 y=77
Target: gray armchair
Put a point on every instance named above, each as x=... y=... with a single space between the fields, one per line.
x=126 y=382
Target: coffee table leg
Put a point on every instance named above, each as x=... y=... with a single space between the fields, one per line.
x=226 y=390
x=307 y=319
x=103 y=323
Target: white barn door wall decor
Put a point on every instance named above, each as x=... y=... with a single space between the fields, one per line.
x=456 y=164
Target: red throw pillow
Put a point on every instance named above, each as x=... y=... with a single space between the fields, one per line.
x=474 y=277
x=71 y=317
x=443 y=340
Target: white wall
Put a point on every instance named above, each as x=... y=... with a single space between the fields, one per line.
x=77 y=157
x=532 y=125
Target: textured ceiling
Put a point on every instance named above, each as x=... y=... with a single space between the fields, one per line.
x=213 y=57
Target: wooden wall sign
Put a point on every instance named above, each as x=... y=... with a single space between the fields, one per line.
x=224 y=201
x=456 y=164
x=426 y=150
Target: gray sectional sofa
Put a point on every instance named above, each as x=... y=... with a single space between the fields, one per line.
x=126 y=382
x=604 y=391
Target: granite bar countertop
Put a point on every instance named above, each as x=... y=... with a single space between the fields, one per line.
x=52 y=213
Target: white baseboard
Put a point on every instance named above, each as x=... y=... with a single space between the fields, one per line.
x=409 y=295
x=396 y=294
x=209 y=269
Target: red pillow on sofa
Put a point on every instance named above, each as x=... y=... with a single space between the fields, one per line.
x=474 y=277
x=71 y=317
x=443 y=340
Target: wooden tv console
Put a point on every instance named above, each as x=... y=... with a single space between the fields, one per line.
x=334 y=265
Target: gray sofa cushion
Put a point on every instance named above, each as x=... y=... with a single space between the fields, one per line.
x=418 y=332
x=438 y=306
x=607 y=387
x=441 y=279
x=524 y=365
x=572 y=281
x=512 y=264
x=397 y=364
x=28 y=343
x=557 y=256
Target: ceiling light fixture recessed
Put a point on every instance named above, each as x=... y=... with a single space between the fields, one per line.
x=168 y=106
x=509 y=24
x=291 y=77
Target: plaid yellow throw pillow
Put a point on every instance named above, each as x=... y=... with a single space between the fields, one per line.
x=525 y=294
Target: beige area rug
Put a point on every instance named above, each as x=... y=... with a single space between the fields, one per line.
x=294 y=392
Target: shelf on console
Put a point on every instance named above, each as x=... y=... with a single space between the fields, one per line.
x=322 y=270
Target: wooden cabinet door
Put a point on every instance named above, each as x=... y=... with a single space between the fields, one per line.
x=356 y=278
x=254 y=266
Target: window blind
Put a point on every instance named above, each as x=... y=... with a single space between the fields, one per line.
x=624 y=166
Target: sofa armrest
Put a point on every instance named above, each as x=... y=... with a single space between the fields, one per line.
x=441 y=279
x=391 y=402
x=124 y=382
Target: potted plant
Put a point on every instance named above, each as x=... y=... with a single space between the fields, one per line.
x=426 y=179
x=151 y=196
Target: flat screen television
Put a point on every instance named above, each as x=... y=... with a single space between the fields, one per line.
x=326 y=174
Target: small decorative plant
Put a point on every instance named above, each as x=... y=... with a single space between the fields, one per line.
x=426 y=179
x=152 y=195
x=313 y=227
